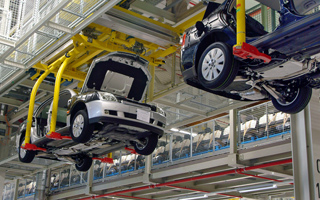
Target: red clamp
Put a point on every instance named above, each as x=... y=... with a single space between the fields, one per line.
x=248 y=51
x=57 y=136
x=104 y=160
x=130 y=150
x=32 y=147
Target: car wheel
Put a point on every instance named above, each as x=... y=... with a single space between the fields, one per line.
x=83 y=164
x=25 y=156
x=81 y=130
x=148 y=145
x=295 y=102
x=217 y=67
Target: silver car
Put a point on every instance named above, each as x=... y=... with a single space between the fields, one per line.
x=106 y=115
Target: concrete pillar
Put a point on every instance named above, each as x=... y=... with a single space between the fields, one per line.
x=306 y=150
x=2 y=179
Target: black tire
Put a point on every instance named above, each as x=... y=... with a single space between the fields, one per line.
x=25 y=156
x=81 y=130
x=297 y=102
x=217 y=78
x=150 y=143
x=83 y=163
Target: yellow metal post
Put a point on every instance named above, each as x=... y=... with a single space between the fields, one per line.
x=57 y=92
x=241 y=22
x=31 y=104
x=242 y=49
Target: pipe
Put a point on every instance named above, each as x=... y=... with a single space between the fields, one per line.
x=232 y=171
x=185 y=188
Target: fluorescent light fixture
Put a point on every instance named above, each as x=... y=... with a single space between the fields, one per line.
x=197 y=197
x=258 y=189
x=184 y=132
x=174 y=129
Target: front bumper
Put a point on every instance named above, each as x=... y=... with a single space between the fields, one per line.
x=126 y=113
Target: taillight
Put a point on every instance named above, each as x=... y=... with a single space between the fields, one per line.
x=183 y=40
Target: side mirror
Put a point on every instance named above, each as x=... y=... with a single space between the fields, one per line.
x=33 y=122
x=200 y=28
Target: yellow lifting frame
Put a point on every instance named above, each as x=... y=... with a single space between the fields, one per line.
x=31 y=105
x=69 y=57
x=242 y=49
x=241 y=23
x=33 y=96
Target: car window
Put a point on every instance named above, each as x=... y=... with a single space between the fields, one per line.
x=62 y=110
x=42 y=117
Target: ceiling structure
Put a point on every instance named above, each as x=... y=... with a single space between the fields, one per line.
x=37 y=39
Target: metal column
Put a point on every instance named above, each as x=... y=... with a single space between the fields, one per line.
x=16 y=188
x=306 y=150
x=233 y=132
x=233 y=156
x=2 y=179
x=41 y=185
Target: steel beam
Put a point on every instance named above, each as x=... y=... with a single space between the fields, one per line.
x=14 y=64
x=46 y=87
x=212 y=113
x=60 y=42
x=175 y=170
x=8 y=159
x=25 y=164
x=131 y=25
x=37 y=26
x=149 y=9
x=266 y=152
x=58 y=27
x=181 y=107
x=10 y=102
x=7 y=42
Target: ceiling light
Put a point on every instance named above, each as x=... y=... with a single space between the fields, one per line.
x=184 y=132
x=197 y=197
x=258 y=189
x=174 y=129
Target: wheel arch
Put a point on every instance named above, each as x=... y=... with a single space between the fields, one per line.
x=215 y=36
x=80 y=105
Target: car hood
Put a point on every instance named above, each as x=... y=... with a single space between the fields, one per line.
x=120 y=73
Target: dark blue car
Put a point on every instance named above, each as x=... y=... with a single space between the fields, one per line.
x=208 y=63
